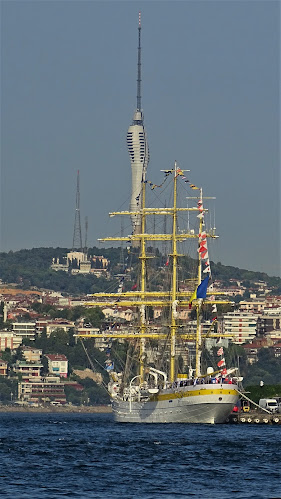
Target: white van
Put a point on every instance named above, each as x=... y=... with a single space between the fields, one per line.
x=269 y=404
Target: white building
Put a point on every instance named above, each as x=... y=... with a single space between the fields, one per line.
x=241 y=325
x=24 y=329
x=57 y=364
x=41 y=391
x=56 y=265
x=252 y=305
x=8 y=339
x=31 y=354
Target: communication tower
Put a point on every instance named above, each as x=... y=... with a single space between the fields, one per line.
x=77 y=234
x=138 y=149
x=86 y=236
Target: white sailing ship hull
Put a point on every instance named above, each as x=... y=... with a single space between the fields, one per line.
x=205 y=404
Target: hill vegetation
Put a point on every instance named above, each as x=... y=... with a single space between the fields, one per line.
x=31 y=269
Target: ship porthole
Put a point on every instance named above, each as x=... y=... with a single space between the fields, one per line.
x=220 y=398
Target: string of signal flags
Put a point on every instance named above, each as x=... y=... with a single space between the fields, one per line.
x=167 y=173
x=180 y=173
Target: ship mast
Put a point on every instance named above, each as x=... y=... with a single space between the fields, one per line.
x=174 y=281
x=143 y=282
x=198 y=350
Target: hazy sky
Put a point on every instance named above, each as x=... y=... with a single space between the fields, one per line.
x=211 y=78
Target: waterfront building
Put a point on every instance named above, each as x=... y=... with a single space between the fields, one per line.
x=42 y=391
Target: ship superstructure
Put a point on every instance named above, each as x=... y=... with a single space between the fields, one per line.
x=138 y=149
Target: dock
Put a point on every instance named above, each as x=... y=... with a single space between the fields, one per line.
x=254 y=417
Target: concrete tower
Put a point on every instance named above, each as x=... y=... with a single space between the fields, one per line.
x=138 y=149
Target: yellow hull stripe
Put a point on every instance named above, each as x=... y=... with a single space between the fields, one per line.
x=195 y=393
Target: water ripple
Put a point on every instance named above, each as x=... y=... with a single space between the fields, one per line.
x=76 y=455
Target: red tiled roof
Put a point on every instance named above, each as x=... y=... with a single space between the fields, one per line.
x=56 y=356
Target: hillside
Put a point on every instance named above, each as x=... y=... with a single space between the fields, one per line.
x=31 y=268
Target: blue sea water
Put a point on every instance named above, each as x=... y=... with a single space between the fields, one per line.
x=90 y=456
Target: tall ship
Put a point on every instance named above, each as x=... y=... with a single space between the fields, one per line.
x=150 y=393
x=158 y=381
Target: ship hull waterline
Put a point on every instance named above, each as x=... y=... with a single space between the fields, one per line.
x=203 y=405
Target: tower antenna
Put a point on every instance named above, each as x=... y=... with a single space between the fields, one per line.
x=77 y=234
x=139 y=68
x=86 y=235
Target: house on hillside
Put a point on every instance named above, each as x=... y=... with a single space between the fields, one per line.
x=28 y=370
x=31 y=354
x=252 y=349
x=3 y=367
x=57 y=364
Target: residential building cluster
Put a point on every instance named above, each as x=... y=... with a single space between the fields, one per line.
x=33 y=388
x=253 y=323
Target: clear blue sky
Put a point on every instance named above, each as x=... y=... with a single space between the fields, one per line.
x=211 y=78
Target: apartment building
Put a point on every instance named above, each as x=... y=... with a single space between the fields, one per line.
x=24 y=329
x=31 y=354
x=240 y=325
x=42 y=391
x=8 y=339
x=28 y=370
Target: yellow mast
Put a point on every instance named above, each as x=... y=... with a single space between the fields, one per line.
x=198 y=308
x=143 y=284
x=174 y=282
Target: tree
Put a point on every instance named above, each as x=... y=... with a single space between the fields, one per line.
x=95 y=316
x=58 y=341
x=45 y=364
x=8 y=390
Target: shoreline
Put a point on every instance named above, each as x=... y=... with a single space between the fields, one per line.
x=101 y=409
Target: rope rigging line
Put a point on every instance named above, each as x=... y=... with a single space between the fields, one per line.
x=92 y=365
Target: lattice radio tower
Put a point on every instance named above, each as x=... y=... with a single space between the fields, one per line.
x=77 y=234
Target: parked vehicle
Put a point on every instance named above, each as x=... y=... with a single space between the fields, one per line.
x=269 y=404
x=278 y=399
